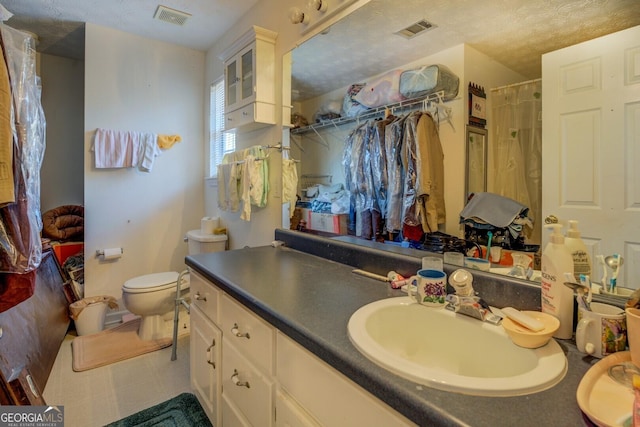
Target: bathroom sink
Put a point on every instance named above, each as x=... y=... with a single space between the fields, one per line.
x=438 y=348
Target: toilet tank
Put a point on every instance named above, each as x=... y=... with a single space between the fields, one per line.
x=200 y=242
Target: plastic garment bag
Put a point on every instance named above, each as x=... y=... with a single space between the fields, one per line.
x=20 y=246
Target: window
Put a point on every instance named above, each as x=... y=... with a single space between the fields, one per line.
x=220 y=143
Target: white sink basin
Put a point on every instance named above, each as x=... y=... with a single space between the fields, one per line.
x=438 y=348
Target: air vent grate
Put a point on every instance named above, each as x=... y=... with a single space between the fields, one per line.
x=171 y=16
x=415 y=29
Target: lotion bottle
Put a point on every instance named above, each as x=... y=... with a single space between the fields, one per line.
x=578 y=251
x=557 y=298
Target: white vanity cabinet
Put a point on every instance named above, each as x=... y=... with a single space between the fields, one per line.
x=265 y=378
x=249 y=65
x=205 y=347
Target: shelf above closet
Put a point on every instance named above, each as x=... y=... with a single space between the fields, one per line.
x=371 y=113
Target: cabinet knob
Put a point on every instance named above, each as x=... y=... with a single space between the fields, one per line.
x=236 y=380
x=236 y=331
x=199 y=297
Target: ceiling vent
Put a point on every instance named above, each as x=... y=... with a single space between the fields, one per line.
x=414 y=29
x=171 y=16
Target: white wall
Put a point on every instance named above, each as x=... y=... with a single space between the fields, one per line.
x=62 y=173
x=138 y=84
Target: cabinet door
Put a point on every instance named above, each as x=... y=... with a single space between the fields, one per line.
x=246 y=62
x=231 y=83
x=290 y=414
x=205 y=357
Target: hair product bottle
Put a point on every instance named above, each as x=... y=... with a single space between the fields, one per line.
x=578 y=251
x=557 y=299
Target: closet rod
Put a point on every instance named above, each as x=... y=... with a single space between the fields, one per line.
x=515 y=84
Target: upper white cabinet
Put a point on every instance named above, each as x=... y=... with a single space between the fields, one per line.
x=249 y=72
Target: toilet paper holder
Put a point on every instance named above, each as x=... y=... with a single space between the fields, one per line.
x=109 y=253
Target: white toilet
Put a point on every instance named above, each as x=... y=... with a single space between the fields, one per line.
x=152 y=296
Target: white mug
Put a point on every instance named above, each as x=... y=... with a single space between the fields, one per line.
x=431 y=287
x=633 y=334
x=601 y=331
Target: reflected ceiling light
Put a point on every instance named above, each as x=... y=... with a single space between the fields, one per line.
x=319 y=5
x=297 y=16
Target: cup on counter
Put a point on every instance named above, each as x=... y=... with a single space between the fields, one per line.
x=455 y=258
x=496 y=254
x=633 y=334
x=432 y=262
x=602 y=330
x=431 y=287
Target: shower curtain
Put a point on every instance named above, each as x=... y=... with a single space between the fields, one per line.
x=515 y=148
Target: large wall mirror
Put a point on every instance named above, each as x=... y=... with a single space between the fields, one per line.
x=478 y=43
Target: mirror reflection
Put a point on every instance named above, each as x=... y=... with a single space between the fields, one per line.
x=340 y=101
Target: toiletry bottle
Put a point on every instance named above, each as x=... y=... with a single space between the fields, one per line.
x=578 y=250
x=557 y=298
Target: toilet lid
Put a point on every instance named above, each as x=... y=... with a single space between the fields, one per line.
x=152 y=282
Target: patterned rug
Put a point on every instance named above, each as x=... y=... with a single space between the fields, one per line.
x=112 y=345
x=183 y=410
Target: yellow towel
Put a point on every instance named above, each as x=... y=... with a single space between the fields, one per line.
x=167 y=141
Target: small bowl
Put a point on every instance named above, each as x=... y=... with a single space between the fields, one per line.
x=527 y=338
x=477 y=263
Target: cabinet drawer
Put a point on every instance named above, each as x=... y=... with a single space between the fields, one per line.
x=252 y=116
x=204 y=296
x=244 y=385
x=252 y=336
x=333 y=399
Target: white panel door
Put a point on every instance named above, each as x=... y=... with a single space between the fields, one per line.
x=591 y=145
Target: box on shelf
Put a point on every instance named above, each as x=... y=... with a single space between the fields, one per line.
x=331 y=223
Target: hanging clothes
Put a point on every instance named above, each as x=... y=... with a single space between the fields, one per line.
x=394 y=170
x=395 y=174
x=430 y=207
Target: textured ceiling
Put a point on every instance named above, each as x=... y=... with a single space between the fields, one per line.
x=513 y=32
x=59 y=24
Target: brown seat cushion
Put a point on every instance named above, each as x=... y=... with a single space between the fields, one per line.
x=64 y=223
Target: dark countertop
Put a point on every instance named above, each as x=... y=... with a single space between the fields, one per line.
x=311 y=298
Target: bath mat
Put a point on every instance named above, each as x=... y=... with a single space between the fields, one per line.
x=183 y=410
x=112 y=345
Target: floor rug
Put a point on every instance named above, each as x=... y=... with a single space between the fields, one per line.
x=112 y=345
x=183 y=410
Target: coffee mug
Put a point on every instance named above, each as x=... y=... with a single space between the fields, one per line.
x=431 y=287
x=601 y=331
x=633 y=334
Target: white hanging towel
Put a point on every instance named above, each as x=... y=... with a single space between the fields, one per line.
x=115 y=149
x=149 y=150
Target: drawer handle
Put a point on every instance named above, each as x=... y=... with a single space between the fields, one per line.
x=236 y=380
x=235 y=331
x=209 y=361
x=199 y=297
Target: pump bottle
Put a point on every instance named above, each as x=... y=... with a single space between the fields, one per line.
x=578 y=251
x=557 y=298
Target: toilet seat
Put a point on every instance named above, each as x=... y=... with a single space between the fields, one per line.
x=153 y=282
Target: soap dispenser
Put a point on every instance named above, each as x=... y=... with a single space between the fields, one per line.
x=557 y=298
x=578 y=251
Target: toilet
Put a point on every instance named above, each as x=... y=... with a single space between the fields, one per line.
x=152 y=296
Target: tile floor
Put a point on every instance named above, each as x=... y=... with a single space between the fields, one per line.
x=102 y=395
